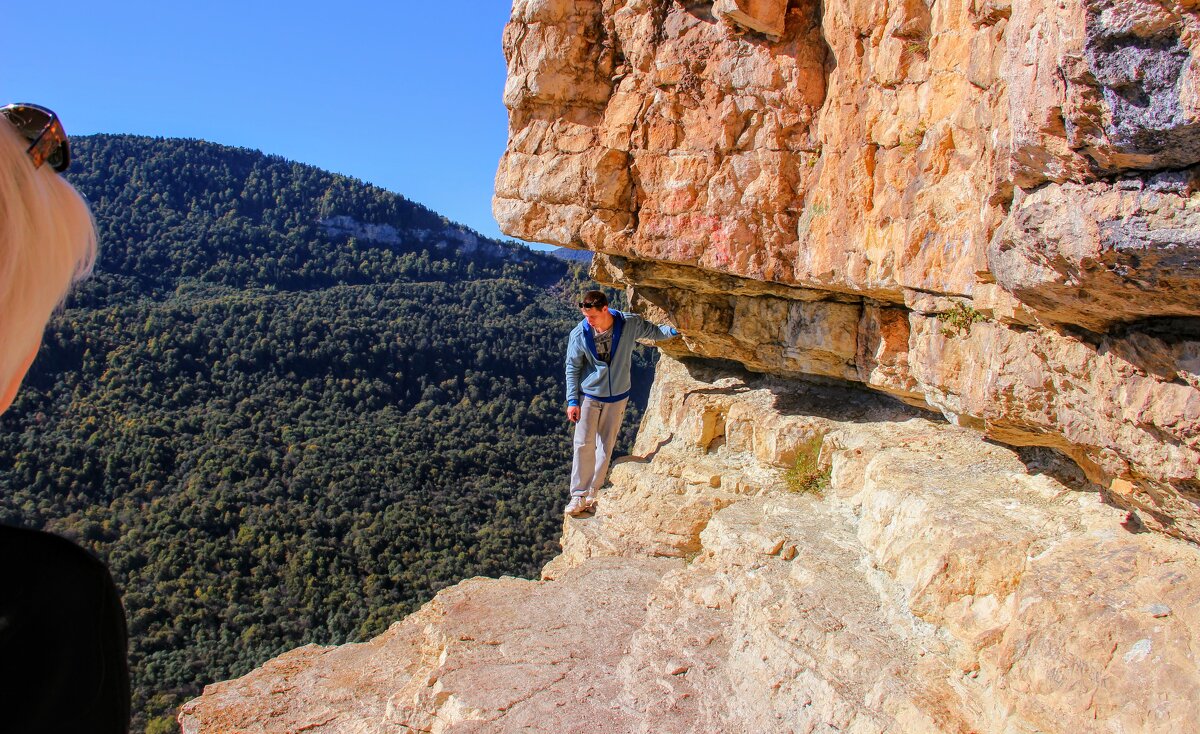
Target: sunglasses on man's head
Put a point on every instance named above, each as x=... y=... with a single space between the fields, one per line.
x=588 y=304
x=44 y=131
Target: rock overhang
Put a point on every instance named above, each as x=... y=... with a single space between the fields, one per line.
x=986 y=208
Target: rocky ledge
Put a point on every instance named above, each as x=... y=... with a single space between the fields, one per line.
x=787 y=557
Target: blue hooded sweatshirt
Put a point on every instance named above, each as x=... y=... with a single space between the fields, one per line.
x=608 y=383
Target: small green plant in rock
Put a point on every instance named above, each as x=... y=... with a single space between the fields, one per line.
x=959 y=319
x=917 y=48
x=918 y=45
x=805 y=476
x=914 y=138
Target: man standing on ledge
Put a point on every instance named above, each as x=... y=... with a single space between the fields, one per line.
x=599 y=353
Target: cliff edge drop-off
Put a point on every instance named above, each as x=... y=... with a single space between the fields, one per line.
x=946 y=253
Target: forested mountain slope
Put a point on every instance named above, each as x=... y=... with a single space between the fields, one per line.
x=275 y=429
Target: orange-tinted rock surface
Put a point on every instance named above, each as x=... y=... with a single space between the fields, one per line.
x=984 y=207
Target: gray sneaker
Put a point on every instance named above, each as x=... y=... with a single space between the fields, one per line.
x=576 y=507
x=589 y=501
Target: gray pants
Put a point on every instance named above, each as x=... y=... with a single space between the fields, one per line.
x=595 y=439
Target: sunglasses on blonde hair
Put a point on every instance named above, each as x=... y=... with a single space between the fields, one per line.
x=42 y=128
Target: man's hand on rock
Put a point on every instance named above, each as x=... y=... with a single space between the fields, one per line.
x=573 y=413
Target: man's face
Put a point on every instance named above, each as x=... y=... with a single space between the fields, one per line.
x=597 y=316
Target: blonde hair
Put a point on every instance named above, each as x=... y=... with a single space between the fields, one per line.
x=47 y=243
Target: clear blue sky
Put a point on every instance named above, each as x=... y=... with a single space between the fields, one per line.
x=405 y=95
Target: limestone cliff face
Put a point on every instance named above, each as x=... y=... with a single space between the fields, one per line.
x=940 y=584
x=985 y=207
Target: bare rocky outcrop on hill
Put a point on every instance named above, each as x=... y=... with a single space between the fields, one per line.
x=983 y=207
x=940 y=584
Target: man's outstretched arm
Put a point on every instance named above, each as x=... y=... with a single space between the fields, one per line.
x=657 y=333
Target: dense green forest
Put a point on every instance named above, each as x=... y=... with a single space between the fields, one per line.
x=276 y=433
